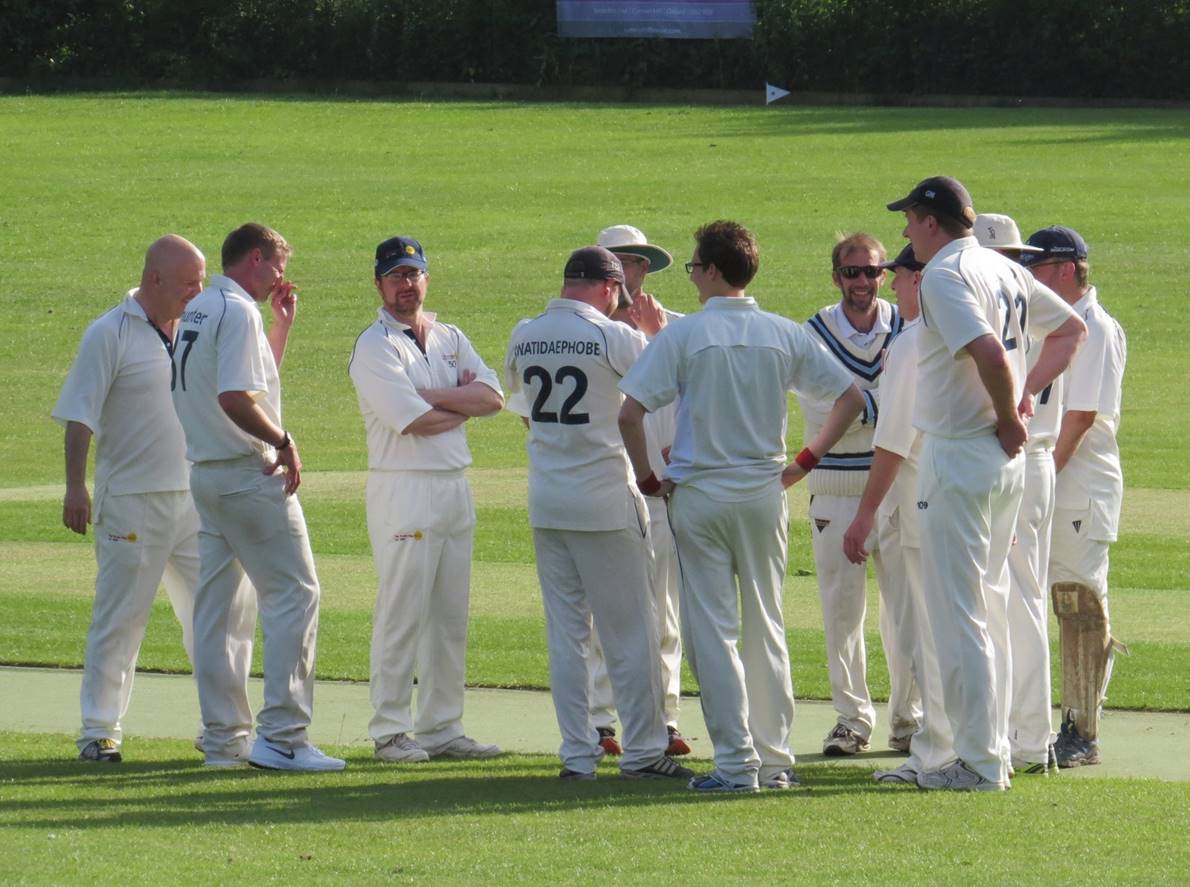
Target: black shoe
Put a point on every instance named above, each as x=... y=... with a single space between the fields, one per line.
x=575 y=775
x=1072 y=750
x=662 y=768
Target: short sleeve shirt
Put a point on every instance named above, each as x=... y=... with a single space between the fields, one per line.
x=561 y=371
x=221 y=346
x=895 y=431
x=967 y=292
x=1093 y=477
x=387 y=368
x=731 y=365
x=118 y=387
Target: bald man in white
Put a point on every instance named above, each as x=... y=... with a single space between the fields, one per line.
x=146 y=527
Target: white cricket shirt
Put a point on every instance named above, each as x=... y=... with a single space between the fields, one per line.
x=561 y=371
x=221 y=346
x=731 y=366
x=968 y=291
x=387 y=368
x=118 y=387
x=1094 y=382
x=895 y=431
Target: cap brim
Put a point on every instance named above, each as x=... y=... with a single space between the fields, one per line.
x=407 y=261
x=904 y=203
x=658 y=258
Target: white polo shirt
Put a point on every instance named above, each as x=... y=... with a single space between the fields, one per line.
x=561 y=371
x=221 y=346
x=387 y=368
x=1094 y=381
x=895 y=431
x=968 y=291
x=731 y=366
x=118 y=387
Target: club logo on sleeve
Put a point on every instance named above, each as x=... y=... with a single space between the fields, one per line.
x=821 y=524
x=1078 y=525
x=415 y=536
x=922 y=505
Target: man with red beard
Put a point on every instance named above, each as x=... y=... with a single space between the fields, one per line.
x=856 y=331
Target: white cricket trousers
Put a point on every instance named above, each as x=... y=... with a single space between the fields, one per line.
x=842 y=588
x=602 y=575
x=1029 y=709
x=664 y=579
x=899 y=625
x=421 y=525
x=735 y=636
x=250 y=526
x=141 y=539
x=972 y=492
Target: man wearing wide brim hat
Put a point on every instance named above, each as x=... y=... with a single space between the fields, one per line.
x=638 y=258
x=999 y=232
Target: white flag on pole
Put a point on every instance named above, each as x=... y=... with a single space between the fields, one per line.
x=772 y=93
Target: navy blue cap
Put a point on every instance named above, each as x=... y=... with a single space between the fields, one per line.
x=398 y=251
x=1055 y=242
x=943 y=194
x=905 y=259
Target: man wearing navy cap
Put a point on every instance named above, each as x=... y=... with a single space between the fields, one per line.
x=972 y=395
x=1089 y=492
x=418 y=381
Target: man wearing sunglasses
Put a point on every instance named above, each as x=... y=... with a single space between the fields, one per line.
x=973 y=394
x=1089 y=492
x=856 y=331
x=418 y=381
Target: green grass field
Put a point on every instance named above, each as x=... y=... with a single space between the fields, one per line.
x=499 y=194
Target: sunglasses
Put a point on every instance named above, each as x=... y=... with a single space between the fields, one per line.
x=853 y=271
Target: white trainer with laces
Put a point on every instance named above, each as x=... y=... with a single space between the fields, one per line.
x=308 y=758
x=400 y=749
x=958 y=777
x=464 y=748
x=842 y=741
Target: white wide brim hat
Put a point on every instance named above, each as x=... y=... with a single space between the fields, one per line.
x=626 y=239
x=997 y=231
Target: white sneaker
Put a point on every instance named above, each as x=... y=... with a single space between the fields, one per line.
x=842 y=741
x=903 y=775
x=235 y=755
x=400 y=749
x=464 y=748
x=958 y=777
x=783 y=779
x=271 y=756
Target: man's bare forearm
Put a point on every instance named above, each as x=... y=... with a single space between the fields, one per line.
x=436 y=421
x=472 y=399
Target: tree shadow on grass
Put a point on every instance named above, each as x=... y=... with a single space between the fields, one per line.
x=55 y=794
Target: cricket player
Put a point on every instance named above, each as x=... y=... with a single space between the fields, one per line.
x=889 y=503
x=590 y=525
x=639 y=258
x=227 y=394
x=418 y=381
x=976 y=307
x=1089 y=493
x=146 y=528
x=734 y=365
x=856 y=331
x=1029 y=708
